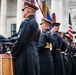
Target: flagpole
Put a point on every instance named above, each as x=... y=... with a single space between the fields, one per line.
x=70 y=29
x=70 y=7
x=39 y=6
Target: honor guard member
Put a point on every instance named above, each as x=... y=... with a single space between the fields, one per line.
x=64 y=43
x=56 y=52
x=64 y=54
x=25 y=48
x=70 y=52
x=44 y=49
x=74 y=55
x=74 y=45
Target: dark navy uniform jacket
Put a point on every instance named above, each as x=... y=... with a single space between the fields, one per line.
x=25 y=52
x=44 y=38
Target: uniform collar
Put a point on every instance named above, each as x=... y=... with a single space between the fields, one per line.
x=30 y=16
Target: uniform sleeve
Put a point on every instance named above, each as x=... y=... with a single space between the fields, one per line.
x=64 y=45
x=23 y=34
x=42 y=42
x=60 y=41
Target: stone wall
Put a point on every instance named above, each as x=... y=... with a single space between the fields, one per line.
x=12 y=13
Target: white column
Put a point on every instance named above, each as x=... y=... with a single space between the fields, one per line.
x=19 y=13
x=3 y=17
x=61 y=14
x=57 y=7
x=66 y=15
x=0 y=12
x=54 y=7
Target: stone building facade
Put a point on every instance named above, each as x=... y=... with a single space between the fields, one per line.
x=11 y=14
